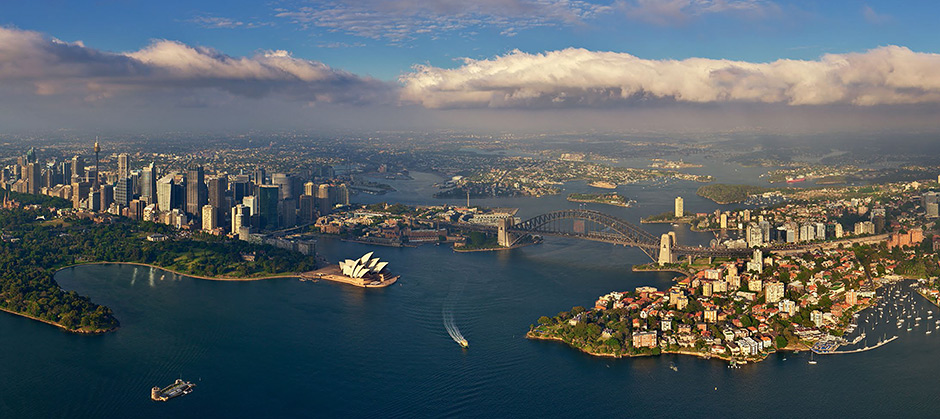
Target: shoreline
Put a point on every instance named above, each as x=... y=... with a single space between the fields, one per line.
x=675 y=270
x=588 y=201
x=492 y=249
x=928 y=298
x=59 y=325
x=85 y=332
x=701 y=355
x=208 y=278
x=684 y=220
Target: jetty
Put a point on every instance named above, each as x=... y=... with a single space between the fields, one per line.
x=852 y=351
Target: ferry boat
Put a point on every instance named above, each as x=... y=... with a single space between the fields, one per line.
x=463 y=343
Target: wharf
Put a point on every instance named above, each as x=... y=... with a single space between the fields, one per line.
x=178 y=388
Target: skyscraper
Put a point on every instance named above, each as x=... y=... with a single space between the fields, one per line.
x=342 y=195
x=307 y=209
x=217 y=187
x=267 y=206
x=283 y=181
x=165 y=196
x=106 y=194
x=78 y=167
x=124 y=167
x=33 y=177
x=79 y=192
x=241 y=188
x=97 y=170
x=324 y=201
x=680 y=211
x=148 y=184
x=196 y=193
x=240 y=218
x=258 y=176
x=65 y=172
x=94 y=201
x=124 y=191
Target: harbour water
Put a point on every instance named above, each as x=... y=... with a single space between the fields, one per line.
x=283 y=347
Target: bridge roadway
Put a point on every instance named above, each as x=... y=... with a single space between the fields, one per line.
x=615 y=231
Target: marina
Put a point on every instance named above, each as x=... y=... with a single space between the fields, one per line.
x=896 y=312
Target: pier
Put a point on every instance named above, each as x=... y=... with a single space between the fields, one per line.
x=852 y=351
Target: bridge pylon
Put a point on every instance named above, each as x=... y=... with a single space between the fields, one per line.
x=503 y=236
x=666 y=242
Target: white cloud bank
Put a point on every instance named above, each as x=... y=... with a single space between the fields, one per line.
x=52 y=67
x=581 y=78
x=36 y=66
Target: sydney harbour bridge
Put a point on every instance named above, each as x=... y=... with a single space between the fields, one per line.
x=597 y=226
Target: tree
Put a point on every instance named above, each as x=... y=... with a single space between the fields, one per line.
x=614 y=343
x=544 y=320
x=782 y=341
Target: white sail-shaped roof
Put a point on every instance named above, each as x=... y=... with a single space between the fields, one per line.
x=361 y=267
x=378 y=267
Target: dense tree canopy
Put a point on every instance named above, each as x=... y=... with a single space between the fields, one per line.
x=36 y=244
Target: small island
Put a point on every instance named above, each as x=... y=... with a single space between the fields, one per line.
x=612 y=198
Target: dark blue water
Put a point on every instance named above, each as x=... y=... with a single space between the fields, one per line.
x=285 y=348
x=288 y=348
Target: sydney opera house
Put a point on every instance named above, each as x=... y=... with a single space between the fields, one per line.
x=364 y=267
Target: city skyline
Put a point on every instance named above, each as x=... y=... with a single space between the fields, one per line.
x=488 y=66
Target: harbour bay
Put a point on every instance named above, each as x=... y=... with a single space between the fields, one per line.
x=283 y=347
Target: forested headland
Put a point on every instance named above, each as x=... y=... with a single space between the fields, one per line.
x=36 y=243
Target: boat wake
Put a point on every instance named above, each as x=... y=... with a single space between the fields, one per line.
x=447 y=312
x=452 y=329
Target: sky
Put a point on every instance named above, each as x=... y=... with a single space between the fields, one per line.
x=486 y=65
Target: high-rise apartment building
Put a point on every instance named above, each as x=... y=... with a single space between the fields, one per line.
x=210 y=220
x=679 y=210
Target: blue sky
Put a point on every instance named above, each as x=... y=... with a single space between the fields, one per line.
x=405 y=60
x=797 y=29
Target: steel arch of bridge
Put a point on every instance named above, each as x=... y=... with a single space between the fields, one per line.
x=621 y=232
